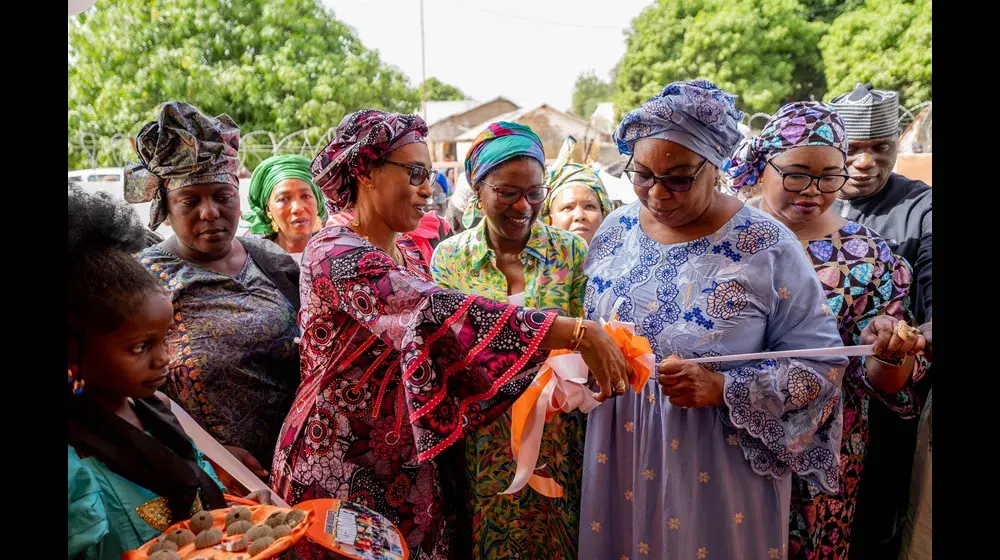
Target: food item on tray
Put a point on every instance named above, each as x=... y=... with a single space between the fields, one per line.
x=260 y=545
x=276 y=519
x=165 y=555
x=169 y=546
x=201 y=521
x=207 y=538
x=238 y=513
x=258 y=532
x=239 y=528
x=282 y=531
x=180 y=537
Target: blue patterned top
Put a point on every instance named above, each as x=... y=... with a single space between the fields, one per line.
x=669 y=482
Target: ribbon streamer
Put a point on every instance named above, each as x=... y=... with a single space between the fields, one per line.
x=847 y=351
x=561 y=385
x=220 y=455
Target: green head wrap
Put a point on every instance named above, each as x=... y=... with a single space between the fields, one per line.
x=269 y=173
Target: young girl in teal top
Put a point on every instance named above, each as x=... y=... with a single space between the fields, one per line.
x=132 y=470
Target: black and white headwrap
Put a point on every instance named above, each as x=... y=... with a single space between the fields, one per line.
x=868 y=113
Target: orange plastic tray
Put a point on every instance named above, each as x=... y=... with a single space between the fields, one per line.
x=316 y=532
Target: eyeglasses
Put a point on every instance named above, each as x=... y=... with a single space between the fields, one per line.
x=675 y=183
x=798 y=182
x=417 y=174
x=510 y=195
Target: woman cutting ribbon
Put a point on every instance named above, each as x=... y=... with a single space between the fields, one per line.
x=395 y=369
x=799 y=162
x=697 y=463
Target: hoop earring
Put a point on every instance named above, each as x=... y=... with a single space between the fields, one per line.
x=74 y=380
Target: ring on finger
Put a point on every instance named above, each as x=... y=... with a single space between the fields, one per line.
x=620 y=386
x=903 y=330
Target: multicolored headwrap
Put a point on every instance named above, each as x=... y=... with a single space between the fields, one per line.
x=269 y=173
x=695 y=114
x=564 y=173
x=803 y=123
x=360 y=140
x=182 y=147
x=499 y=142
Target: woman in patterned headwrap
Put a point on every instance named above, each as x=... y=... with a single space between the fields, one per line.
x=577 y=199
x=698 y=464
x=511 y=256
x=234 y=364
x=799 y=162
x=285 y=205
x=395 y=369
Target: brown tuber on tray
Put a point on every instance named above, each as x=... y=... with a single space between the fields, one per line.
x=260 y=545
x=207 y=538
x=201 y=521
x=239 y=528
x=238 y=513
x=180 y=537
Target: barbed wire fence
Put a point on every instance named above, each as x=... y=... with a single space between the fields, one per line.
x=256 y=146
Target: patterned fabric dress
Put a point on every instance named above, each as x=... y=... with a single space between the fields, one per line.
x=526 y=524
x=664 y=482
x=395 y=370
x=862 y=279
x=234 y=363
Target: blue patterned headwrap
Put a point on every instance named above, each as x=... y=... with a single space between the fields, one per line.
x=695 y=114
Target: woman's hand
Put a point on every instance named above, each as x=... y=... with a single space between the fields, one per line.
x=605 y=361
x=689 y=385
x=893 y=340
x=262 y=497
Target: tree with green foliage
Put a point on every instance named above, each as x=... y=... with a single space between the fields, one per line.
x=887 y=43
x=828 y=10
x=436 y=90
x=588 y=91
x=764 y=51
x=275 y=65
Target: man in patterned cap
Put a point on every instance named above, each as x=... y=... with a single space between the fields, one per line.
x=899 y=209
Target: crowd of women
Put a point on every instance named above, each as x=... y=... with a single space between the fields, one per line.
x=371 y=355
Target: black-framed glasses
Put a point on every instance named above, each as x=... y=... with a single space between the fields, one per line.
x=675 y=183
x=797 y=181
x=417 y=174
x=510 y=195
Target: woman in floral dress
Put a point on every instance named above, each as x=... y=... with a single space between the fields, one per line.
x=395 y=369
x=514 y=257
x=798 y=160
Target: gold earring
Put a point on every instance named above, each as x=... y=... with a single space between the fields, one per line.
x=479 y=204
x=370 y=187
x=274 y=224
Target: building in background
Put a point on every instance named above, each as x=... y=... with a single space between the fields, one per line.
x=447 y=120
x=552 y=126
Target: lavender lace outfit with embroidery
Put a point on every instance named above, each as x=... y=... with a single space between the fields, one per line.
x=667 y=482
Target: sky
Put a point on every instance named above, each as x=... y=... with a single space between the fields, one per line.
x=529 y=51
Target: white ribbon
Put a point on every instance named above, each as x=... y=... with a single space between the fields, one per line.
x=220 y=455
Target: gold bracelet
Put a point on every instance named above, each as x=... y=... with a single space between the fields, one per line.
x=578 y=331
x=897 y=363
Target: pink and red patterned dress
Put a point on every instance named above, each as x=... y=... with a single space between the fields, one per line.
x=394 y=371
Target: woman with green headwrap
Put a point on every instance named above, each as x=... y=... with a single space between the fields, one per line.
x=285 y=205
x=577 y=201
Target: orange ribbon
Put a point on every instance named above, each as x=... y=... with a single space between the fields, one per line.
x=561 y=385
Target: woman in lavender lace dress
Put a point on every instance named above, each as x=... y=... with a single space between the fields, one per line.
x=698 y=464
